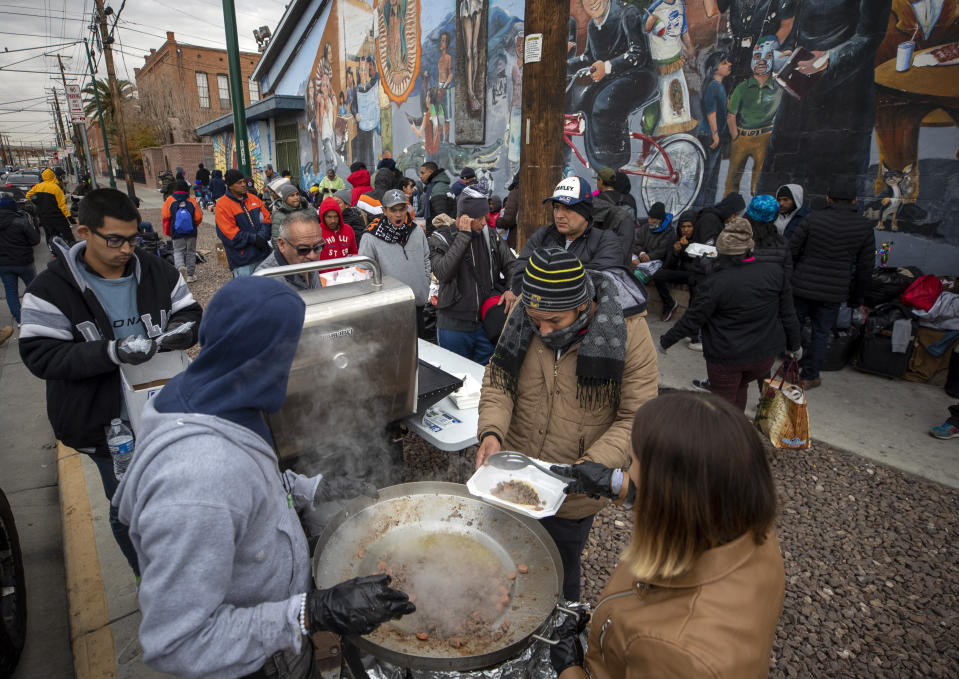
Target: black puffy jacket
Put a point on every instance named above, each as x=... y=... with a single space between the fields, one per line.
x=17 y=238
x=745 y=311
x=610 y=217
x=597 y=249
x=826 y=248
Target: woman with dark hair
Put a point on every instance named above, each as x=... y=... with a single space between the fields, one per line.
x=746 y=314
x=700 y=588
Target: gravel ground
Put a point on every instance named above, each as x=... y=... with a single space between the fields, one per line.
x=872 y=581
x=210 y=275
x=872 y=568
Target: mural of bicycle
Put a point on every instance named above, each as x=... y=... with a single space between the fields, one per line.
x=671 y=166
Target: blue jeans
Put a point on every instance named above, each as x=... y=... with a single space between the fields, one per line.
x=473 y=345
x=707 y=192
x=121 y=533
x=823 y=317
x=245 y=270
x=10 y=274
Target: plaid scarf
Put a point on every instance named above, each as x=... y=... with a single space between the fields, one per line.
x=599 y=360
x=383 y=229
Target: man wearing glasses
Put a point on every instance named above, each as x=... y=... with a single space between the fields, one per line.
x=300 y=240
x=98 y=305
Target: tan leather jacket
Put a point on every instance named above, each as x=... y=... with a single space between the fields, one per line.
x=716 y=621
x=547 y=421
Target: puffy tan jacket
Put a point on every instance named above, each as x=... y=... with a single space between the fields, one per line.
x=46 y=212
x=547 y=422
x=717 y=621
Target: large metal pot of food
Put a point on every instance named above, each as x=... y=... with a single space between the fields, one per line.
x=484 y=580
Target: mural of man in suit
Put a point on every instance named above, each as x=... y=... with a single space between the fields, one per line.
x=827 y=133
x=620 y=79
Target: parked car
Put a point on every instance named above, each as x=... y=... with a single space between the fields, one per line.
x=13 y=592
x=23 y=180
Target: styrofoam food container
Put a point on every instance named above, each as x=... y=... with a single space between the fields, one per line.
x=549 y=488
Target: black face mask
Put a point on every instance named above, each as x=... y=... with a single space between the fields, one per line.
x=560 y=339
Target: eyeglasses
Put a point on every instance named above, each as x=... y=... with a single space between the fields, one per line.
x=304 y=250
x=114 y=241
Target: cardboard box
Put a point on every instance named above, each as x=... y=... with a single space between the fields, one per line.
x=143 y=382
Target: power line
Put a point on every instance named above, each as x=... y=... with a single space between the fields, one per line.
x=23 y=70
x=38 y=47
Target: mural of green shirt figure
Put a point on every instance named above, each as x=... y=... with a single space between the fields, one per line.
x=752 y=112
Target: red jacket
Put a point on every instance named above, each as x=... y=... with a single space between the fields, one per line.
x=168 y=217
x=360 y=180
x=339 y=243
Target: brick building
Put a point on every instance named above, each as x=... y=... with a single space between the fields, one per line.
x=181 y=86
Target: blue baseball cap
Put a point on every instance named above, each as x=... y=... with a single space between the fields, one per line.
x=571 y=191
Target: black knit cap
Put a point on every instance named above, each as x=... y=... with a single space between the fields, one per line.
x=232 y=176
x=554 y=280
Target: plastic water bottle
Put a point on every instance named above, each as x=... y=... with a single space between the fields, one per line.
x=120 y=443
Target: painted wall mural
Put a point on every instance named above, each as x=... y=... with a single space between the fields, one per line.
x=797 y=91
x=438 y=81
x=398 y=46
x=224 y=152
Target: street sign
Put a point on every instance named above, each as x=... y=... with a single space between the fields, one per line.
x=75 y=104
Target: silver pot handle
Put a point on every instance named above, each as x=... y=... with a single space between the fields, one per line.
x=324 y=265
x=553 y=642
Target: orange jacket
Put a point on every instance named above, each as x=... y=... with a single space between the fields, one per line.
x=177 y=196
x=238 y=223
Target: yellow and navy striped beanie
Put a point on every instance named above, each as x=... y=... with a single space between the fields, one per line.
x=554 y=280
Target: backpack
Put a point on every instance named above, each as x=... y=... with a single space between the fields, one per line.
x=183 y=219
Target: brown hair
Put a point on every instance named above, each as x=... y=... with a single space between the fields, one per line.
x=703 y=481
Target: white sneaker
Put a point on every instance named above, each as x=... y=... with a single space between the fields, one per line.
x=182 y=270
x=696 y=346
x=191 y=279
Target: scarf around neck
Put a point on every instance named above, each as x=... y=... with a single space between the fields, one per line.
x=383 y=229
x=599 y=360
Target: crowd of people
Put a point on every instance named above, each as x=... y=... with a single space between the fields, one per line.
x=215 y=540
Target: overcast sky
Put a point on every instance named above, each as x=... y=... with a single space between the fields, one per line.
x=142 y=25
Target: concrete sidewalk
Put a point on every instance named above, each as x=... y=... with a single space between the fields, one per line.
x=883 y=420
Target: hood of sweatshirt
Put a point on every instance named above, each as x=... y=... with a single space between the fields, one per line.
x=249 y=334
x=327 y=205
x=796 y=191
x=359 y=178
x=48 y=175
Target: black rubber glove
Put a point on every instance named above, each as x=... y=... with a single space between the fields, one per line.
x=135 y=350
x=261 y=243
x=357 y=606
x=178 y=341
x=591 y=478
x=568 y=652
x=343 y=488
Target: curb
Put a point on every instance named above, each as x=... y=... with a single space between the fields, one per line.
x=94 y=655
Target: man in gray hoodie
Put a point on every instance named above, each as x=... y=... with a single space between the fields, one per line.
x=226 y=587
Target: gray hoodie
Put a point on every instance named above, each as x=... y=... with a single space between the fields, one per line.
x=223 y=556
x=782 y=221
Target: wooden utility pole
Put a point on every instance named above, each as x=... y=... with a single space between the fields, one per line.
x=544 y=102
x=106 y=40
